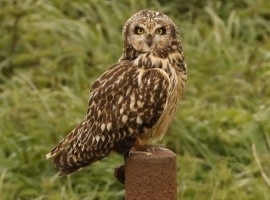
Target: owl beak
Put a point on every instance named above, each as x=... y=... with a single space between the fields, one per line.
x=149 y=40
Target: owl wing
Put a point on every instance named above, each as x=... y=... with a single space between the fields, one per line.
x=125 y=102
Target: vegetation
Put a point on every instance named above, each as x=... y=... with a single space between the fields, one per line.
x=52 y=50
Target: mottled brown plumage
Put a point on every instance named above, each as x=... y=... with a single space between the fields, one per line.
x=134 y=101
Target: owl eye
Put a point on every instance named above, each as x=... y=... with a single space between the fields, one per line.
x=161 y=31
x=138 y=30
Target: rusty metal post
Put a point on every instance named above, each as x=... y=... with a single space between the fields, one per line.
x=151 y=177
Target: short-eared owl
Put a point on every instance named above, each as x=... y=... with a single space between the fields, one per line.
x=133 y=102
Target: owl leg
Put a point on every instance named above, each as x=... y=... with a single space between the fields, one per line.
x=139 y=151
x=139 y=147
x=158 y=147
x=147 y=149
x=153 y=148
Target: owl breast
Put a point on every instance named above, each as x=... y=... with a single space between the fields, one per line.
x=177 y=74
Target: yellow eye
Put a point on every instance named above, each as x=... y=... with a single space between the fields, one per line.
x=138 y=30
x=161 y=31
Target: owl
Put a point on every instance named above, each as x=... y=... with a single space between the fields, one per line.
x=131 y=104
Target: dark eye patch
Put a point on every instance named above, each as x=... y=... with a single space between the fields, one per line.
x=161 y=31
x=138 y=30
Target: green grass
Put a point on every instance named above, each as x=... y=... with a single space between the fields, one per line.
x=51 y=51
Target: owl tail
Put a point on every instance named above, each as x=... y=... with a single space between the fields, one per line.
x=68 y=164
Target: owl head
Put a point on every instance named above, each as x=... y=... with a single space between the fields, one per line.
x=148 y=31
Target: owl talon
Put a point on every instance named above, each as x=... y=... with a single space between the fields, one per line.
x=159 y=147
x=134 y=151
x=155 y=148
x=147 y=149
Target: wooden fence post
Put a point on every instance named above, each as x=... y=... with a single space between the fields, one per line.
x=151 y=177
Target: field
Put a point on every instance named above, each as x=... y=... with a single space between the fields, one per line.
x=51 y=51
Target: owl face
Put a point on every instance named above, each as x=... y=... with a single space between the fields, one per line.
x=149 y=35
x=148 y=31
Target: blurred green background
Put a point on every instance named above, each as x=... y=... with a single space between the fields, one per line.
x=52 y=50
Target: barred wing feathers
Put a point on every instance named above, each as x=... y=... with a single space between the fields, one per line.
x=125 y=102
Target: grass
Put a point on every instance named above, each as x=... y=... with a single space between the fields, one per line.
x=51 y=51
